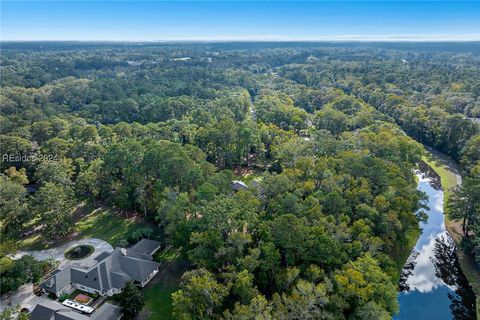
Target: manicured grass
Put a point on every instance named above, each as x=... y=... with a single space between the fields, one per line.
x=445 y=168
x=167 y=255
x=35 y=242
x=106 y=225
x=159 y=300
x=101 y=223
x=158 y=294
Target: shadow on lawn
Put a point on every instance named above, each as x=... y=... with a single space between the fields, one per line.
x=103 y=223
x=158 y=292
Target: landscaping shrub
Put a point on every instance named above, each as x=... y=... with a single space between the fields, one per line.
x=63 y=297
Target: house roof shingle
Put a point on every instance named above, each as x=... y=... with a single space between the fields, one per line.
x=107 y=312
x=49 y=310
x=145 y=246
x=43 y=311
x=109 y=270
x=59 y=279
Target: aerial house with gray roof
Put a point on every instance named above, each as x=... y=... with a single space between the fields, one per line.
x=108 y=273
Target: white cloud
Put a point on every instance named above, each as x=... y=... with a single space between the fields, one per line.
x=424 y=278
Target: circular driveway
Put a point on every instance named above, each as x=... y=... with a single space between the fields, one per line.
x=24 y=295
x=57 y=253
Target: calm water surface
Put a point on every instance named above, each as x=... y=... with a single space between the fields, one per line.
x=432 y=285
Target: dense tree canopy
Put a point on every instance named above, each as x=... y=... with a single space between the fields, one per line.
x=326 y=139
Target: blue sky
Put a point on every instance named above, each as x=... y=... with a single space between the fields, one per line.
x=234 y=20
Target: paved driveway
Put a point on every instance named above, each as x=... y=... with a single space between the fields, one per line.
x=57 y=253
x=23 y=296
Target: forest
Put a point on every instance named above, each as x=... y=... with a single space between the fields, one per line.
x=326 y=140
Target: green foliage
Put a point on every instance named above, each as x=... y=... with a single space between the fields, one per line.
x=63 y=297
x=199 y=296
x=370 y=311
x=19 y=176
x=332 y=120
x=14 y=213
x=131 y=300
x=56 y=172
x=88 y=180
x=140 y=233
x=470 y=154
x=464 y=203
x=15 y=273
x=13 y=313
x=306 y=301
x=54 y=204
x=363 y=280
x=278 y=109
x=321 y=131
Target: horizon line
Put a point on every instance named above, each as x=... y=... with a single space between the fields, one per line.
x=218 y=40
x=472 y=37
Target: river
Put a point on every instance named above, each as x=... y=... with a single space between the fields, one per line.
x=432 y=284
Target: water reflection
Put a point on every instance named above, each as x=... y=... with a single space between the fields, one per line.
x=432 y=284
x=448 y=269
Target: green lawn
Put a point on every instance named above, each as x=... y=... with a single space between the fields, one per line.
x=167 y=255
x=443 y=167
x=35 y=242
x=105 y=225
x=158 y=294
x=159 y=300
x=102 y=223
